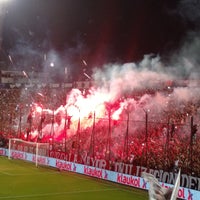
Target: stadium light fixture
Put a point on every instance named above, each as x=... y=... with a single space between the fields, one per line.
x=52 y=64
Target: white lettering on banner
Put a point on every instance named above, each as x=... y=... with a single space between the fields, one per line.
x=88 y=160
x=58 y=155
x=183 y=193
x=93 y=172
x=193 y=183
x=185 y=180
x=143 y=169
x=137 y=170
x=99 y=163
x=198 y=184
x=170 y=177
x=122 y=167
x=128 y=180
x=102 y=164
x=162 y=176
x=159 y=175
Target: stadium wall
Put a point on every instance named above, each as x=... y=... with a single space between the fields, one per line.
x=132 y=181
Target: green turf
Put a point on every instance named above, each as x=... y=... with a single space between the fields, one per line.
x=22 y=180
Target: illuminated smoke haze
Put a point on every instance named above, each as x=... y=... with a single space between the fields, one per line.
x=132 y=88
x=135 y=88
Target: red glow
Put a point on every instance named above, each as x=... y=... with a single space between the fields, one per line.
x=78 y=107
x=38 y=109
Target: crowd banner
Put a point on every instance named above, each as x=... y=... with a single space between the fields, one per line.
x=117 y=177
x=187 y=181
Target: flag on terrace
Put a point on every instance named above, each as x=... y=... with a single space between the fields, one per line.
x=157 y=192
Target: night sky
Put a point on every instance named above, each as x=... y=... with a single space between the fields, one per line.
x=96 y=31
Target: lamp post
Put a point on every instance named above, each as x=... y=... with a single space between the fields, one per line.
x=146 y=136
x=65 y=133
x=126 y=137
x=167 y=140
x=109 y=134
x=92 y=142
x=40 y=133
x=20 y=123
x=78 y=131
x=30 y=123
x=52 y=130
x=192 y=140
x=66 y=127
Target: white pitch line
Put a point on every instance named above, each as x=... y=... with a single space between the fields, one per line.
x=5 y=173
x=26 y=174
x=55 y=194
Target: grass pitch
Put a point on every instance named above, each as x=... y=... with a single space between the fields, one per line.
x=23 y=180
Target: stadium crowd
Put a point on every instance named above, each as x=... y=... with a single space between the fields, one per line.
x=154 y=144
